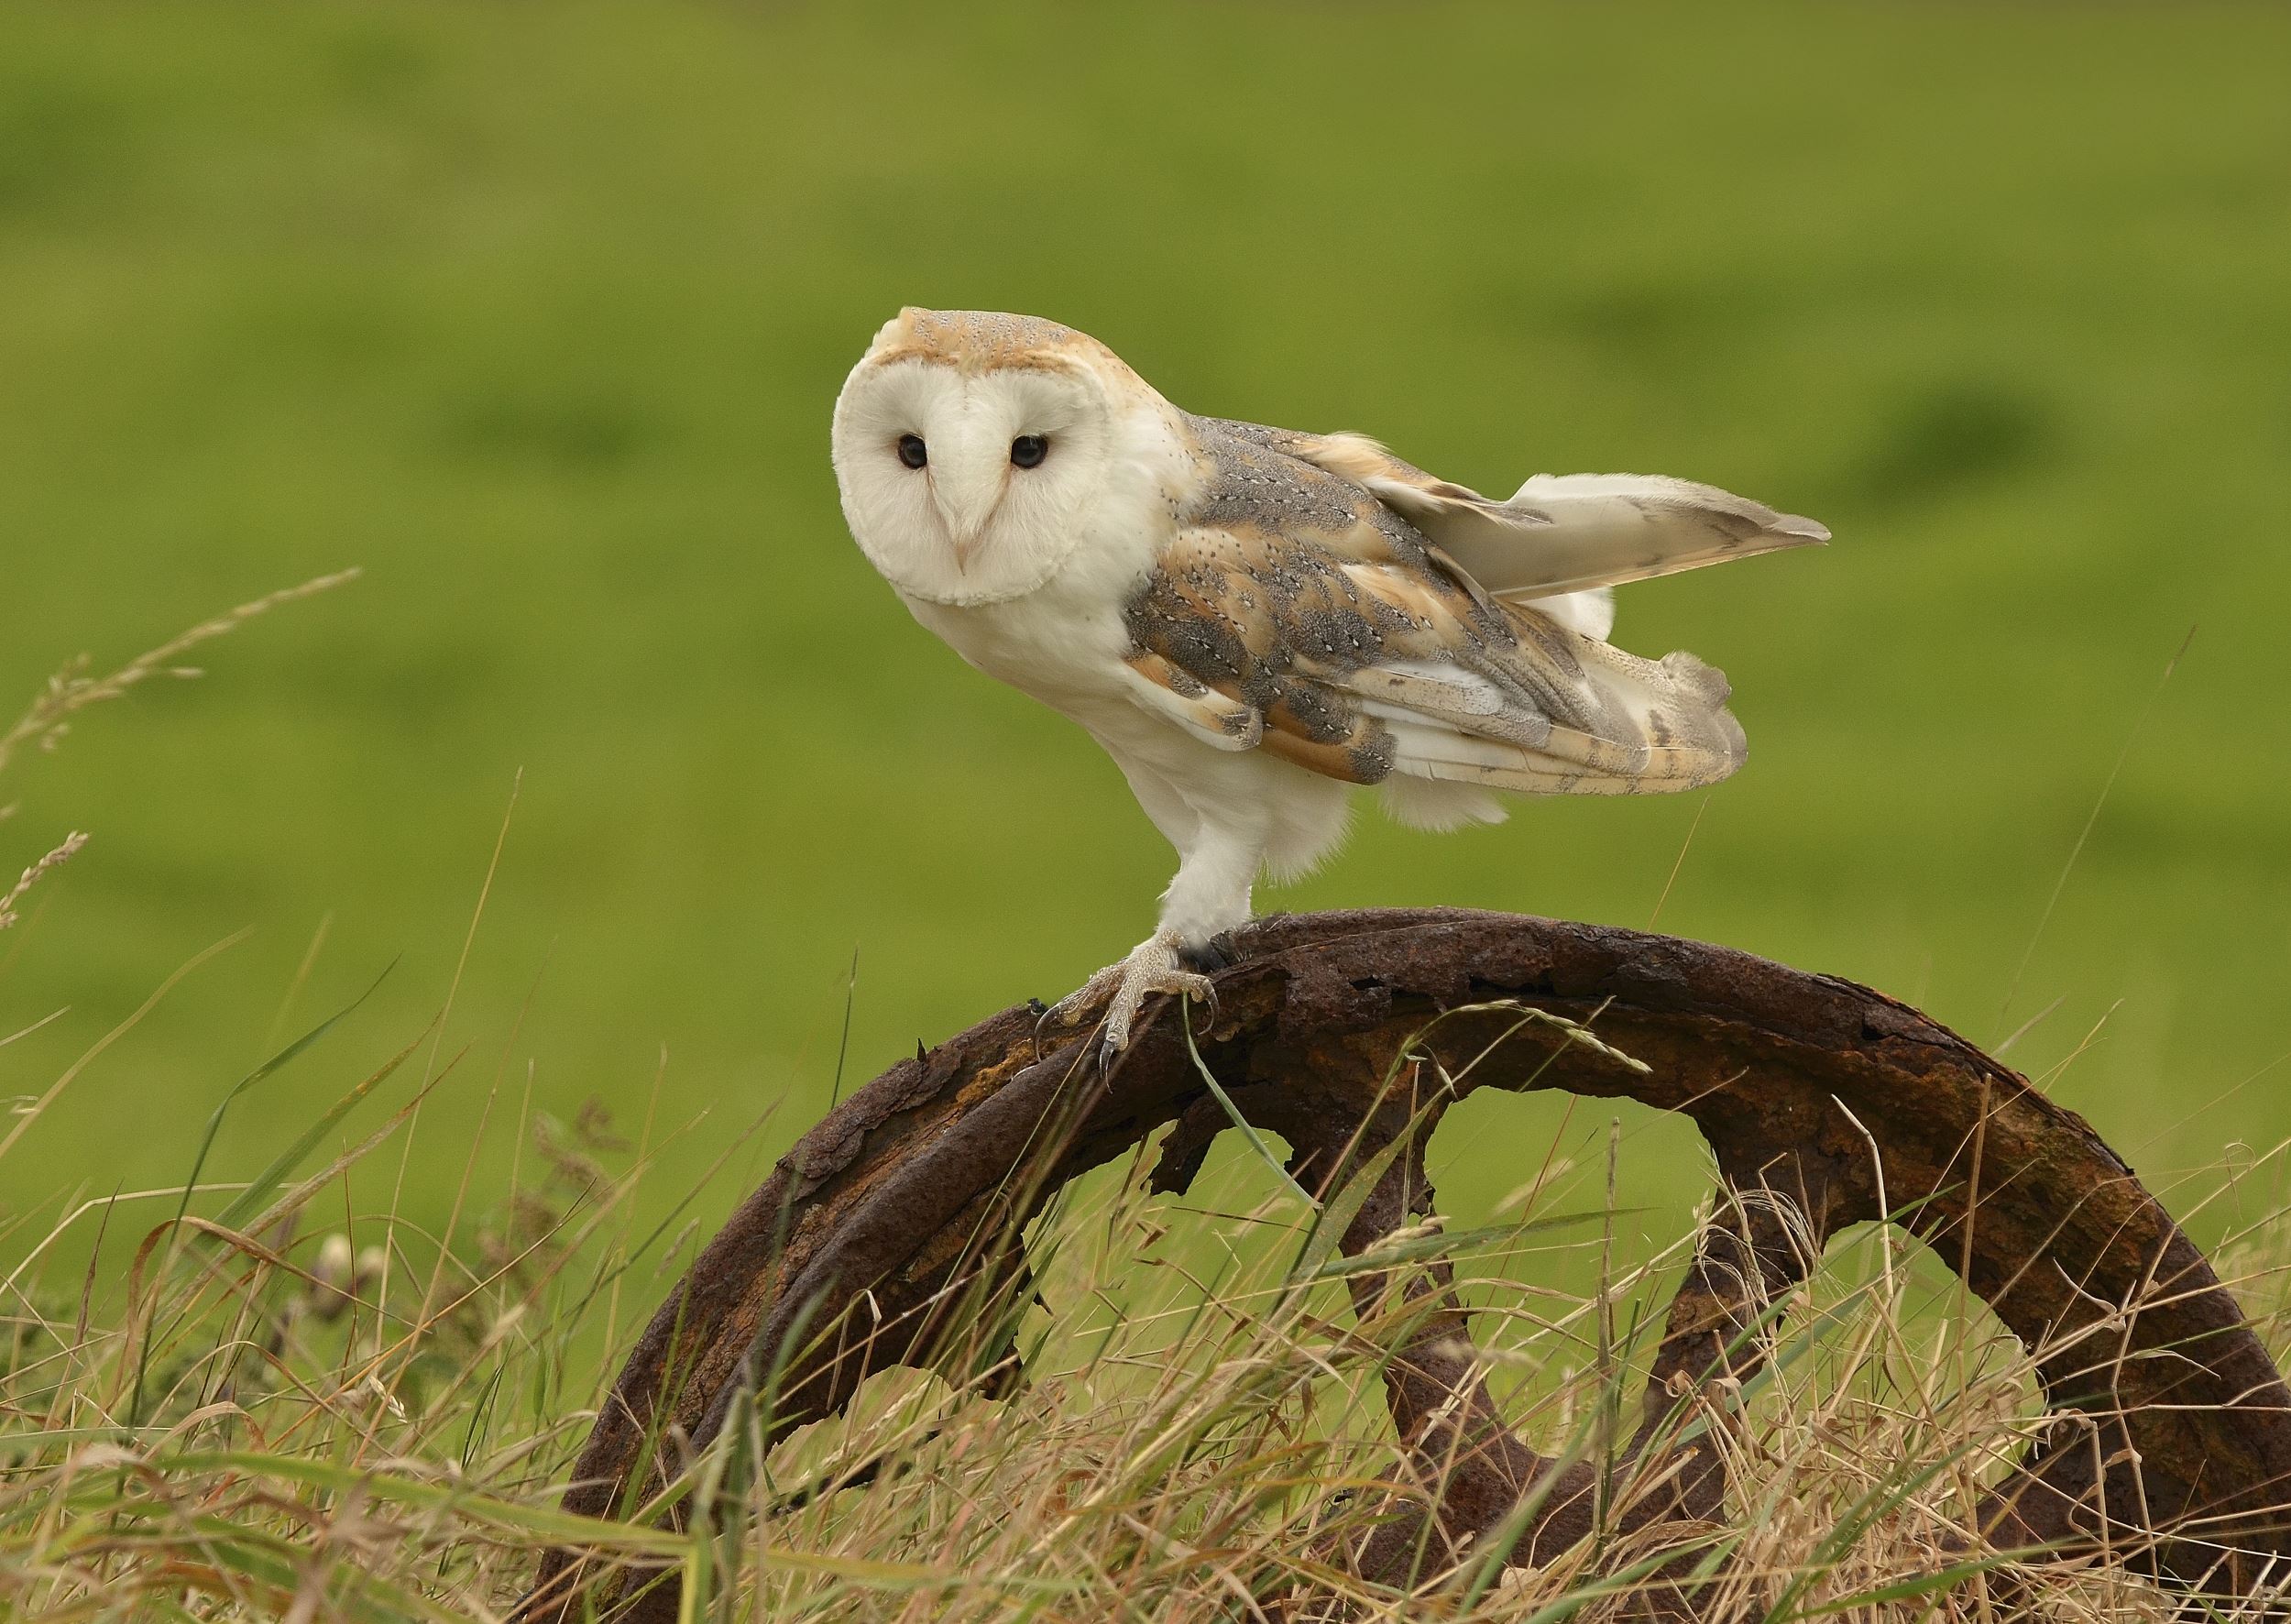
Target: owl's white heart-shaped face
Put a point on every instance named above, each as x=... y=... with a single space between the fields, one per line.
x=966 y=470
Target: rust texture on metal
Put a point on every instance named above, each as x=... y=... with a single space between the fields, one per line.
x=898 y=1214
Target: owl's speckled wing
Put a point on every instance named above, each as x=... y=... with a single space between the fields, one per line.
x=1295 y=612
x=1559 y=532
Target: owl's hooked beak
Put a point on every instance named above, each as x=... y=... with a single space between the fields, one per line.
x=967 y=496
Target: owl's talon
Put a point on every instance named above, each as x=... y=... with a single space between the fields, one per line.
x=1068 y=1010
x=1154 y=965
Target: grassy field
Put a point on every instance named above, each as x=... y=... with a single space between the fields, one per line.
x=537 y=319
x=336 y=1438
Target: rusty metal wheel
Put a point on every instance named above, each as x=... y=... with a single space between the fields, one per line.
x=1826 y=1104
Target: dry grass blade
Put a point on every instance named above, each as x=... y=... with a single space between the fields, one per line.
x=36 y=872
x=72 y=690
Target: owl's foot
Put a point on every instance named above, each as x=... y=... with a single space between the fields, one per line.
x=1154 y=965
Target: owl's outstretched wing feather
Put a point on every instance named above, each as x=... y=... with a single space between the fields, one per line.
x=1561 y=532
x=1296 y=614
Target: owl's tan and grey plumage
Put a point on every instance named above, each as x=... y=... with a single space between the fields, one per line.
x=1297 y=612
x=1252 y=619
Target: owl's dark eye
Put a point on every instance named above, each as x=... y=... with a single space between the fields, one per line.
x=1028 y=450
x=913 y=452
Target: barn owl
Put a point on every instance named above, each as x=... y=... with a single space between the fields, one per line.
x=1252 y=621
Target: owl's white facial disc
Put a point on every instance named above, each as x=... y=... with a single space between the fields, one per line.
x=967 y=486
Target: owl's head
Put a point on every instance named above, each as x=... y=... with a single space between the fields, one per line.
x=969 y=446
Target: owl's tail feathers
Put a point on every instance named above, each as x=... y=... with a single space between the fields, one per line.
x=1590 y=611
x=1437 y=805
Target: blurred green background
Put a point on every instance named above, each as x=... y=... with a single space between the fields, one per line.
x=537 y=313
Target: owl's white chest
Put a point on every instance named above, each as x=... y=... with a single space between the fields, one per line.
x=1062 y=643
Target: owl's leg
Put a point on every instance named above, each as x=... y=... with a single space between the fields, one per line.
x=1209 y=898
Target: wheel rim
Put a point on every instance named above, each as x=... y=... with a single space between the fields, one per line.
x=2170 y=1428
